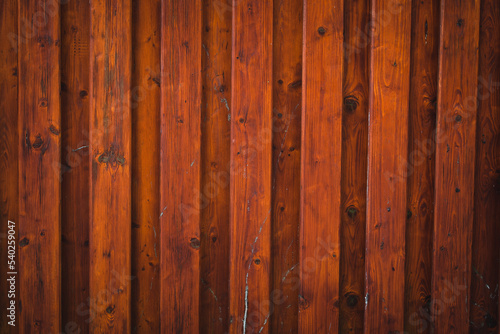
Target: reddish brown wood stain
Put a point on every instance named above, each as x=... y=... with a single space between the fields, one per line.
x=39 y=141
x=110 y=159
x=145 y=103
x=75 y=66
x=245 y=166
x=180 y=165
x=387 y=148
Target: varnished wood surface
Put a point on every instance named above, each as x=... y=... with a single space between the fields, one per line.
x=354 y=166
x=387 y=148
x=145 y=104
x=250 y=189
x=455 y=157
x=39 y=243
x=180 y=136
x=243 y=166
x=321 y=167
x=287 y=95
x=9 y=145
x=486 y=229
x=215 y=163
x=111 y=160
x=420 y=162
x=75 y=173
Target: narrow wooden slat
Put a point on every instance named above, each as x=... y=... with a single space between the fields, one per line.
x=486 y=230
x=421 y=148
x=387 y=151
x=321 y=166
x=354 y=165
x=110 y=122
x=215 y=163
x=9 y=146
x=180 y=165
x=75 y=66
x=455 y=157
x=287 y=93
x=250 y=189
x=39 y=127
x=145 y=97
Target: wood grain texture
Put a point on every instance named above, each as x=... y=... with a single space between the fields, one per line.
x=215 y=159
x=387 y=149
x=287 y=94
x=110 y=158
x=9 y=146
x=180 y=165
x=455 y=157
x=486 y=230
x=145 y=95
x=421 y=148
x=250 y=189
x=75 y=67
x=39 y=127
x=354 y=166
x=321 y=166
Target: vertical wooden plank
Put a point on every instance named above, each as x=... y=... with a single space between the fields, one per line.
x=8 y=156
x=486 y=230
x=145 y=95
x=421 y=148
x=455 y=156
x=110 y=121
x=215 y=163
x=387 y=150
x=39 y=187
x=75 y=67
x=287 y=94
x=251 y=117
x=354 y=165
x=321 y=166
x=180 y=165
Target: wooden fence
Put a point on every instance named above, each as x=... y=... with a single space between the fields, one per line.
x=250 y=166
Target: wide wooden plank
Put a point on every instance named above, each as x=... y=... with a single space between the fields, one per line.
x=250 y=189
x=321 y=166
x=215 y=163
x=387 y=151
x=145 y=96
x=486 y=230
x=75 y=210
x=420 y=192
x=9 y=146
x=354 y=165
x=455 y=157
x=181 y=95
x=39 y=128
x=287 y=94
x=110 y=155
